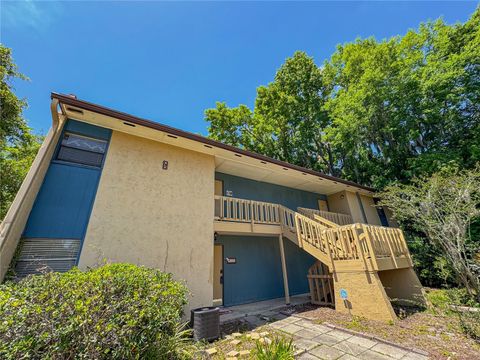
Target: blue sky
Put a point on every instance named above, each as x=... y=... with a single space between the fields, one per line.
x=168 y=62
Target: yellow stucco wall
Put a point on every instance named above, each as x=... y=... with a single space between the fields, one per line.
x=338 y=203
x=403 y=287
x=370 y=210
x=158 y=218
x=366 y=295
x=355 y=209
x=346 y=202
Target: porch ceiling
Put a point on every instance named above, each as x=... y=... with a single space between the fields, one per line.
x=274 y=174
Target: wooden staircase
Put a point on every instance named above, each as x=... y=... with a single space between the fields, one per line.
x=353 y=256
x=349 y=247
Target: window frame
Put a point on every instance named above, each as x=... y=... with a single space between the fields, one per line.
x=56 y=160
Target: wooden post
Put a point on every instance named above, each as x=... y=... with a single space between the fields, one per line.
x=371 y=250
x=284 y=270
x=252 y=214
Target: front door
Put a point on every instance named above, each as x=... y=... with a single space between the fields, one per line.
x=218 y=275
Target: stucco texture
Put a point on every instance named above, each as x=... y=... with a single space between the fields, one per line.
x=366 y=295
x=370 y=210
x=346 y=202
x=149 y=216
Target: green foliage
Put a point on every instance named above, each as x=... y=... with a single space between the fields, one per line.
x=446 y=303
x=377 y=111
x=470 y=323
x=279 y=349
x=441 y=299
x=15 y=162
x=18 y=146
x=442 y=207
x=117 y=311
x=287 y=121
x=431 y=266
x=408 y=105
x=12 y=124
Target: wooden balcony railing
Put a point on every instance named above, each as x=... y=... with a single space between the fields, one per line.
x=251 y=211
x=337 y=218
x=347 y=242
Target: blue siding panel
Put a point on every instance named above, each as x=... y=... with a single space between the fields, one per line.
x=63 y=204
x=298 y=262
x=257 y=274
x=261 y=191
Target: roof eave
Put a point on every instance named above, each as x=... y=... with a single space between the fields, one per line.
x=73 y=101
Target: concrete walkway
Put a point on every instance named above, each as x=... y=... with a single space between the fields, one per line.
x=314 y=342
x=267 y=308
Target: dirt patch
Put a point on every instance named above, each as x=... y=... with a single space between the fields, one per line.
x=439 y=335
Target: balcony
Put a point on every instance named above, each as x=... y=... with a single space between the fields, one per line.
x=330 y=237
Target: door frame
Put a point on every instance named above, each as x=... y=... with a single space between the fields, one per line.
x=222 y=274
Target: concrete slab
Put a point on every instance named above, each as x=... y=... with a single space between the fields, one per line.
x=342 y=335
x=292 y=328
x=304 y=344
x=327 y=353
x=389 y=350
x=307 y=333
x=373 y=355
x=350 y=348
x=414 y=356
x=260 y=307
x=367 y=343
x=307 y=356
x=326 y=339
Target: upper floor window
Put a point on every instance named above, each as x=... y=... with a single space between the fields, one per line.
x=83 y=150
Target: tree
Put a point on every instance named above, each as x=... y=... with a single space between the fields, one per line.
x=376 y=112
x=18 y=146
x=408 y=105
x=288 y=120
x=443 y=207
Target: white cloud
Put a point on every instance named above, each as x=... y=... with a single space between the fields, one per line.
x=29 y=14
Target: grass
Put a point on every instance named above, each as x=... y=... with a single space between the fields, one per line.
x=278 y=349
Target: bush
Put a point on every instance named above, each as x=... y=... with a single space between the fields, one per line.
x=278 y=349
x=470 y=323
x=450 y=302
x=116 y=311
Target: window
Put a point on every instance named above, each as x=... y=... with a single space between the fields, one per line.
x=82 y=150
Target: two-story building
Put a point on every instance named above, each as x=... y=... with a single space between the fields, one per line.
x=237 y=226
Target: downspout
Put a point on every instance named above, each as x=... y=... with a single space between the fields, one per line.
x=10 y=231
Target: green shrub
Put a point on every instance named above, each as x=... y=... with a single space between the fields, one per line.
x=447 y=301
x=278 y=349
x=116 y=311
x=470 y=323
x=442 y=299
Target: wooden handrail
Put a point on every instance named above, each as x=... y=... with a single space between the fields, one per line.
x=347 y=242
x=336 y=218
